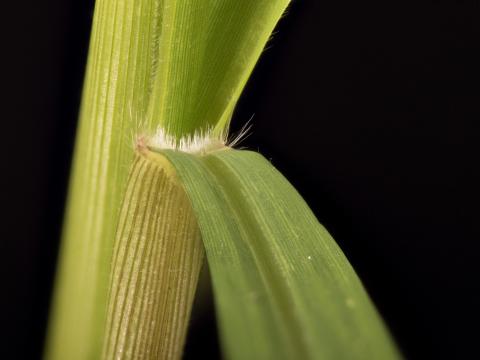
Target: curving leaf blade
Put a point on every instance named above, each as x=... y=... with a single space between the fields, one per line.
x=283 y=288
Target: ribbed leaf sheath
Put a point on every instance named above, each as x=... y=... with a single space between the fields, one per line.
x=157 y=258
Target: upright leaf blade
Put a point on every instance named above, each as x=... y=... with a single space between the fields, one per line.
x=207 y=51
x=283 y=287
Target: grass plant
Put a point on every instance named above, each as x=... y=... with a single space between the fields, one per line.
x=155 y=186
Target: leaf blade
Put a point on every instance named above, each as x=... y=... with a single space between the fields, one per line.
x=207 y=51
x=309 y=302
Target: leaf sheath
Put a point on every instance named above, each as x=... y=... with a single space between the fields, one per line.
x=157 y=258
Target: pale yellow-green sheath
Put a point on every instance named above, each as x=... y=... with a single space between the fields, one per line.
x=157 y=258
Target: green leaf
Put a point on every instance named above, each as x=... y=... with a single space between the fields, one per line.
x=207 y=50
x=283 y=288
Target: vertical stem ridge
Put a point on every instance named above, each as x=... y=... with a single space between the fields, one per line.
x=119 y=74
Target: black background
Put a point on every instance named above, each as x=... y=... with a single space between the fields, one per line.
x=370 y=108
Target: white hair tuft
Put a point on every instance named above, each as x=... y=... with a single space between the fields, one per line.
x=198 y=143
